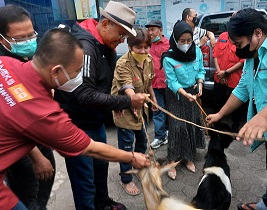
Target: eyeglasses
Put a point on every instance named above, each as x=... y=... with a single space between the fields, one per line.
x=16 y=40
x=183 y=41
x=121 y=35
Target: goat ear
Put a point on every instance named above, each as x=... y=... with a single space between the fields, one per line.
x=132 y=171
x=169 y=166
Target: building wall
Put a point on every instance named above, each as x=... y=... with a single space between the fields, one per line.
x=50 y=13
x=47 y=14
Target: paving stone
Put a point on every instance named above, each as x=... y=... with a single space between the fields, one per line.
x=248 y=176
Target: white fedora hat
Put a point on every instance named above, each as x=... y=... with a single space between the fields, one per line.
x=120 y=14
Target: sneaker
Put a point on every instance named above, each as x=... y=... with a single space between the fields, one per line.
x=110 y=204
x=158 y=142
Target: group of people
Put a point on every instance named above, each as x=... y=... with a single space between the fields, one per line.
x=88 y=82
x=33 y=116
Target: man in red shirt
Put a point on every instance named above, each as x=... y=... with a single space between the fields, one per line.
x=29 y=116
x=160 y=44
x=227 y=75
x=31 y=178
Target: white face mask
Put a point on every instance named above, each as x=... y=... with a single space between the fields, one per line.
x=71 y=84
x=183 y=47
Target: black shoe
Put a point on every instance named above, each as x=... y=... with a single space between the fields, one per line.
x=110 y=204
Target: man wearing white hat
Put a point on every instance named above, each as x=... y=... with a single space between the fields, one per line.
x=90 y=103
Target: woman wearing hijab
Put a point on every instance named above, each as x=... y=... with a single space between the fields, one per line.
x=185 y=73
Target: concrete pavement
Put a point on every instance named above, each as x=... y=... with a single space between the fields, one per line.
x=248 y=176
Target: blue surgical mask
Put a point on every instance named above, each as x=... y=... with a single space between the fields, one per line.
x=156 y=39
x=71 y=84
x=24 y=49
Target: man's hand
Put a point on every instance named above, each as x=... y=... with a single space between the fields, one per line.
x=223 y=81
x=253 y=129
x=220 y=74
x=212 y=118
x=43 y=168
x=138 y=100
x=140 y=160
x=203 y=40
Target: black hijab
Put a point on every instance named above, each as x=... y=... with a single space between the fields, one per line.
x=179 y=29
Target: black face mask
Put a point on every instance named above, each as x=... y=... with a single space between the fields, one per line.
x=195 y=20
x=245 y=52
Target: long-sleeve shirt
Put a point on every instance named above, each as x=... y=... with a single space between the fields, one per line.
x=253 y=84
x=183 y=74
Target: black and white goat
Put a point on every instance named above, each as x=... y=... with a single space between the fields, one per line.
x=214 y=190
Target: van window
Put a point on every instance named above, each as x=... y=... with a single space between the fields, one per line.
x=216 y=23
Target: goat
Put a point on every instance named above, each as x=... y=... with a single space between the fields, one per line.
x=155 y=197
x=214 y=190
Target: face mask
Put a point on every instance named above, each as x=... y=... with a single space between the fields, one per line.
x=71 y=84
x=245 y=52
x=194 y=20
x=156 y=39
x=183 y=47
x=139 y=57
x=25 y=49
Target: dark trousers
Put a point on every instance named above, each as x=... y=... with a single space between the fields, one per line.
x=21 y=179
x=126 y=142
x=221 y=95
x=88 y=176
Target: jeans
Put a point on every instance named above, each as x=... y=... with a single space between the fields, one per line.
x=88 y=176
x=19 y=206
x=21 y=179
x=125 y=142
x=159 y=117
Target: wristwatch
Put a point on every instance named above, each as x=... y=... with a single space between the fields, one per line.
x=226 y=73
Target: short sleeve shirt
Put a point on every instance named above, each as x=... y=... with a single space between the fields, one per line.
x=224 y=51
x=29 y=116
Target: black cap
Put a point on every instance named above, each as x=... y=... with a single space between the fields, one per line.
x=156 y=23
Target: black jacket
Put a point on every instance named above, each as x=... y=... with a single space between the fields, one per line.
x=91 y=102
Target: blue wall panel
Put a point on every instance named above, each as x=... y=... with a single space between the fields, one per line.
x=42 y=14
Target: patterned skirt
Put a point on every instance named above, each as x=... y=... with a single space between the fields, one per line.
x=183 y=137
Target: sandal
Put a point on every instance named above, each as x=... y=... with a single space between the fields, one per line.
x=172 y=173
x=130 y=188
x=239 y=206
x=191 y=166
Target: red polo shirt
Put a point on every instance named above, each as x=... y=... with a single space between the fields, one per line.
x=30 y=116
x=224 y=51
x=157 y=49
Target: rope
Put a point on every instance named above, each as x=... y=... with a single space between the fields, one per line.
x=151 y=153
x=202 y=110
x=202 y=116
x=199 y=126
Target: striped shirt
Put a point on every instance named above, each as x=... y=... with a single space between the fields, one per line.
x=198 y=34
